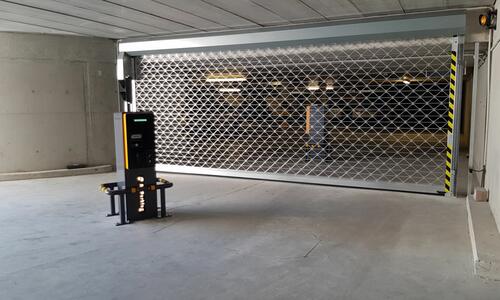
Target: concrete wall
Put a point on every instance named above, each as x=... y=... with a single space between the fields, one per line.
x=492 y=179
x=57 y=96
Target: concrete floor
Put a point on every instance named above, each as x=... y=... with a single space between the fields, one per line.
x=235 y=239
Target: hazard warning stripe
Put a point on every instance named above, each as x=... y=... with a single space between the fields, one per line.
x=451 y=117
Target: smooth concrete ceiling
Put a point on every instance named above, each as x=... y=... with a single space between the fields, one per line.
x=142 y=18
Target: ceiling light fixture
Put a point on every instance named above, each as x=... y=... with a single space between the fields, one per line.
x=225 y=78
x=229 y=90
x=329 y=84
x=313 y=85
x=406 y=80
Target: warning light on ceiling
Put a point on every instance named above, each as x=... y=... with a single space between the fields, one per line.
x=489 y=20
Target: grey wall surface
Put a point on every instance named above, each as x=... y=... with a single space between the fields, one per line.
x=492 y=179
x=57 y=96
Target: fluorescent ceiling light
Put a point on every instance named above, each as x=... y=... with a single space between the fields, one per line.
x=225 y=78
x=406 y=79
x=329 y=84
x=313 y=85
x=229 y=90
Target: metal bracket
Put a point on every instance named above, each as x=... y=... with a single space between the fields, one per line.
x=113 y=189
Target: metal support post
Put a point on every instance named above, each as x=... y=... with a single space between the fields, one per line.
x=163 y=210
x=122 y=211
x=472 y=142
x=112 y=206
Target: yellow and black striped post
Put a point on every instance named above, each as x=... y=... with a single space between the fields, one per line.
x=451 y=116
x=453 y=126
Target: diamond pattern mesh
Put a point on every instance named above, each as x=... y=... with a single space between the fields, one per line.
x=373 y=111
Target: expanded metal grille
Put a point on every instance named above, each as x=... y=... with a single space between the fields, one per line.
x=373 y=111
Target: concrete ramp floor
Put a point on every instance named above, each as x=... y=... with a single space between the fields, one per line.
x=235 y=239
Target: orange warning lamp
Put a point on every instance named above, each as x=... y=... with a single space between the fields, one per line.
x=483 y=20
x=489 y=20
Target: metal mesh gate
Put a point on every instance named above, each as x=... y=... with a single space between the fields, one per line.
x=368 y=114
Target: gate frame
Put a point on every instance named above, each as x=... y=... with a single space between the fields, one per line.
x=417 y=27
x=454 y=115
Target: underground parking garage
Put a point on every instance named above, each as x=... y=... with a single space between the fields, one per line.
x=249 y=150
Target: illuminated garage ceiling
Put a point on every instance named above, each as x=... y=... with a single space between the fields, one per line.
x=142 y=18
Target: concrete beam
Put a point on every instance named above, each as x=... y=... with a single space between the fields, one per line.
x=409 y=27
